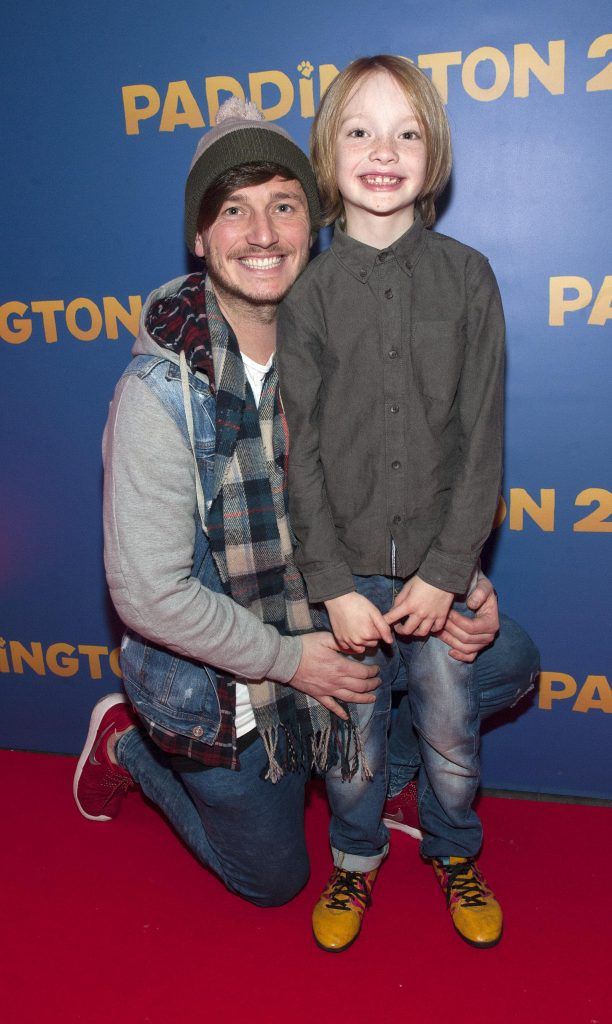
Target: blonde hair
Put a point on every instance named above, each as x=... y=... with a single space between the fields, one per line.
x=429 y=112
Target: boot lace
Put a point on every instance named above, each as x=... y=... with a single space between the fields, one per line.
x=348 y=888
x=466 y=881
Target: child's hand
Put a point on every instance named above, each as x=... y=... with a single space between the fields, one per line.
x=427 y=608
x=357 y=623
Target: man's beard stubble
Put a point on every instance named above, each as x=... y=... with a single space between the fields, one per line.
x=224 y=285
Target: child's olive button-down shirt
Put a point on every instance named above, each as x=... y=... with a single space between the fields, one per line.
x=391 y=369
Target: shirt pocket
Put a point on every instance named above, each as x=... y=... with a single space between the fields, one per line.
x=438 y=348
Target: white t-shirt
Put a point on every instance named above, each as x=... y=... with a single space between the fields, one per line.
x=245 y=719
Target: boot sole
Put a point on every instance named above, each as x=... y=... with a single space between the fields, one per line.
x=479 y=945
x=336 y=949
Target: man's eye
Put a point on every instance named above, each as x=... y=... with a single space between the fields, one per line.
x=232 y=210
x=284 y=208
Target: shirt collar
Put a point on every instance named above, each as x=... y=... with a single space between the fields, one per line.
x=361 y=259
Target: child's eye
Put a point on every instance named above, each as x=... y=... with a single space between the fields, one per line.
x=357 y=133
x=412 y=134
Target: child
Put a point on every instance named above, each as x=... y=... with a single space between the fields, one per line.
x=391 y=361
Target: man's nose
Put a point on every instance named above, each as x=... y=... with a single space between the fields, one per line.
x=262 y=229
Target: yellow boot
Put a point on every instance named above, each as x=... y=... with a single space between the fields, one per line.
x=476 y=914
x=336 y=918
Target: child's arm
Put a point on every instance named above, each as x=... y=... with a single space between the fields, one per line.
x=424 y=607
x=300 y=353
x=357 y=623
x=451 y=557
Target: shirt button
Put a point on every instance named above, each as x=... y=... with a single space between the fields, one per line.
x=363 y=273
x=396 y=465
x=397 y=520
x=197 y=731
x=395 y=408
x=393 y=353
x=389 y=293
x=384 y=255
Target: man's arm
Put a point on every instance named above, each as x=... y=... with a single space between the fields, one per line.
x=149 y=530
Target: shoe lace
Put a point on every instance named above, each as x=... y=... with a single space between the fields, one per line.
x=348 y=887
x=114 y=781
x=466 y=881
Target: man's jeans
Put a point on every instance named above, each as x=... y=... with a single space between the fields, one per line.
x=250 y=832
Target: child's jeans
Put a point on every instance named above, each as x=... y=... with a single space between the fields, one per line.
x=445 y=714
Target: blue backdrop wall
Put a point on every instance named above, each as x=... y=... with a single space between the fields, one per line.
x=102 y=107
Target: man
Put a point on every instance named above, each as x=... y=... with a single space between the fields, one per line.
x=229 y=692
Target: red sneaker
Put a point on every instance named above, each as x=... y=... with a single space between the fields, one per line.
x=402 y=811
x=99 y=785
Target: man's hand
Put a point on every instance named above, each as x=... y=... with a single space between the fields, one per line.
x=466 y=637
x=426 y=606
x=357 y=623
x=324 y=673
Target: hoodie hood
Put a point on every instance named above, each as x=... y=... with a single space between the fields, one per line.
x=145 y=345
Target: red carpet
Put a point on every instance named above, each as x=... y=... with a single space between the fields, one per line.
x=118 y=923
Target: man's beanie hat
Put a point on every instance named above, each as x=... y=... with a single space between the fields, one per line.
x=242 y=136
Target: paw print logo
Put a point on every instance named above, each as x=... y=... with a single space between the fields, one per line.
x=305 y=68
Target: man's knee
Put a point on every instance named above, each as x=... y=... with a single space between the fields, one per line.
x=507 y=670
x=279 y=885
x=520 y=654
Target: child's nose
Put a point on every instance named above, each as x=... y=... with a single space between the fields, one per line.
x=384 y=149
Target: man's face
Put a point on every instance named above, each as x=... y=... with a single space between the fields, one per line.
x=259 y=242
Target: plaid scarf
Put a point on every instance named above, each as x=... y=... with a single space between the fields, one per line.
x=248 y=528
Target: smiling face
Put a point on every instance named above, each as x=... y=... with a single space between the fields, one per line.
x=381 y=160
x=258 y=243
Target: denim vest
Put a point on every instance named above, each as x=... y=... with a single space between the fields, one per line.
x=174 y=692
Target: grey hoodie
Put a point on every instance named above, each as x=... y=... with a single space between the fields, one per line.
x=149 y=531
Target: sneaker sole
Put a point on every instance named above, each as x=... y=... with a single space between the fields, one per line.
x=407 y=829
x=336 y=949
x=478 y=945
x=97 y=715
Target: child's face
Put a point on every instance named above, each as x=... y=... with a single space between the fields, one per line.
x=380 y=158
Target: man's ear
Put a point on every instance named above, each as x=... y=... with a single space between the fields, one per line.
x=199 y=245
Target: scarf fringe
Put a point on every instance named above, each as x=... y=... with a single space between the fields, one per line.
x=351 y=750
x=275 y=770
x=318 y=753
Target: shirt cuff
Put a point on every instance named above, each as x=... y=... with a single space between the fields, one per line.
x=446 y=573
x=333 y=581
x=287 y=660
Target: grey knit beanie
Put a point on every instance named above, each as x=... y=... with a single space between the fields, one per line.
x=242 y=136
